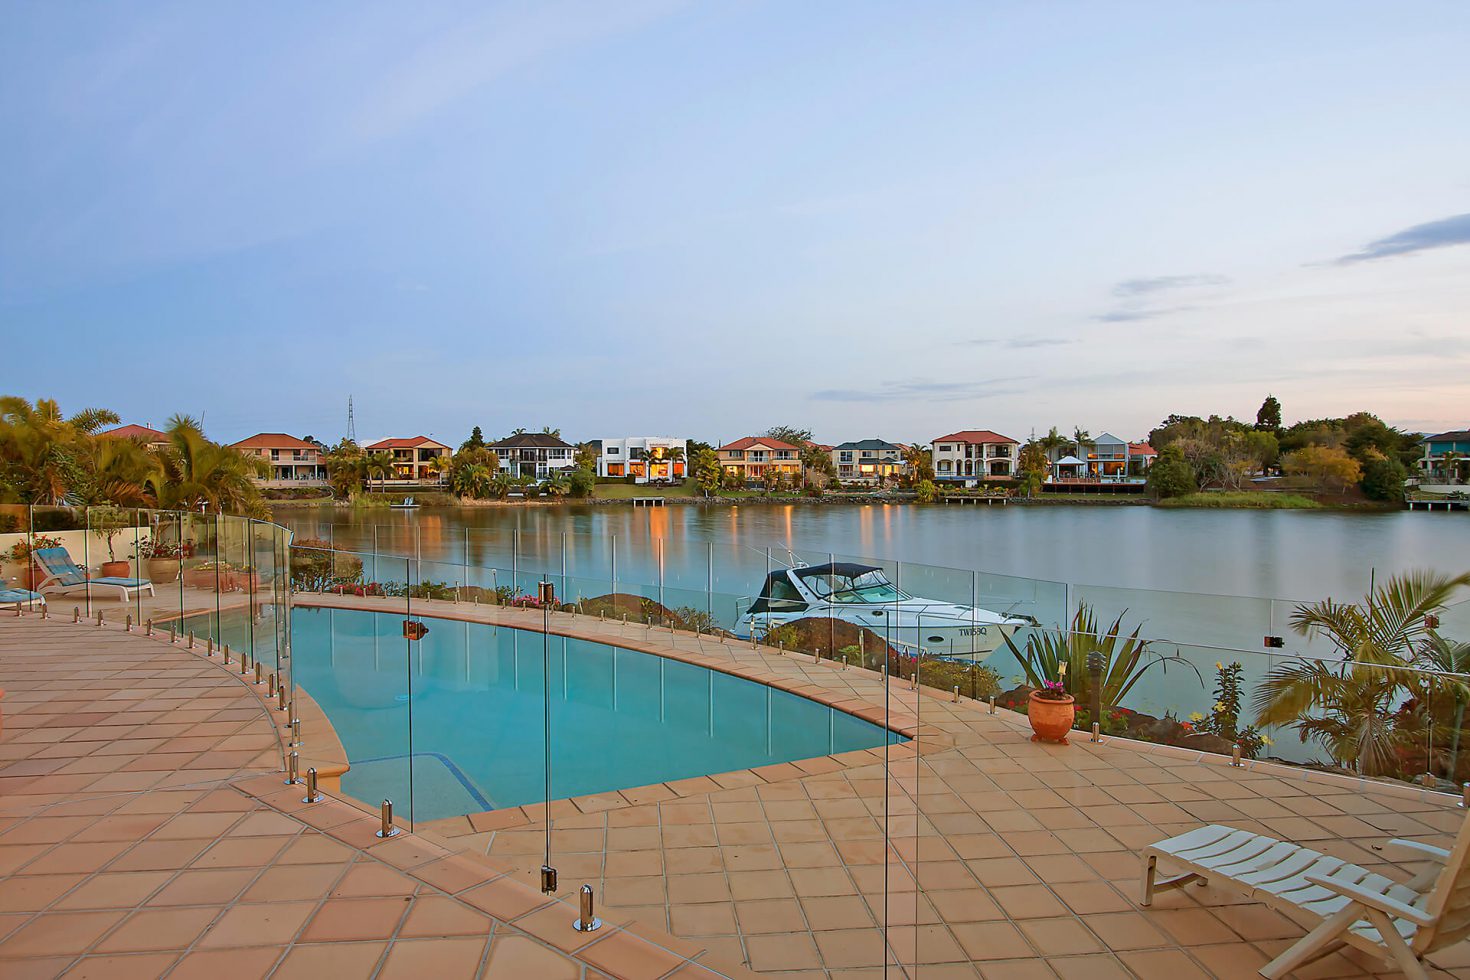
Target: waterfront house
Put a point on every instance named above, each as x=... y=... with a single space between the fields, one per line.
x=1446 y=459
x=294 y=462
x=1104 y=459
x=868 y=461
x=753 y=458
x=141 y=434
x=534 y=455
x=413 y=461
x=971 y=455
x=644 y=458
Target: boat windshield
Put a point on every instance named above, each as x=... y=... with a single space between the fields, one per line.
x=868 y=587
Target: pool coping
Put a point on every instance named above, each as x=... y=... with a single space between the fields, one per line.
x=923 y=738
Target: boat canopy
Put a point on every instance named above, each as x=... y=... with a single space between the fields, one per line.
x=848 y=569
x=833 y=582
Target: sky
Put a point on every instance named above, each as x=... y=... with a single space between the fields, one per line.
x=887 y=220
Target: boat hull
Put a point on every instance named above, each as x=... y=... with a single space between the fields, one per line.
x=946 y=639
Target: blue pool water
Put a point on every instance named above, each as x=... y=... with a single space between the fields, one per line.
x=470 y=711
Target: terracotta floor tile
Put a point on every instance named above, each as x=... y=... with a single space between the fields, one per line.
x=75 y=858
x=433 y=915
x=158 y=929
x=31 y=893
x=373 y=880
x=136 y=966
x=414 y=959
x=504 y=898
x=314 y=962
x=226 y=964
x=624 y=955
x=1028 y=902
x=61 y=932
x=297 y=882
x=1096 y=967
x=784 y=951
x=514 y=956
x=1060 y=937
x=992 y=941
x=1163 y=964
x=1126 y=930
x=347 y=919
x=204 y=887
x=716 y=919
x=258 y=925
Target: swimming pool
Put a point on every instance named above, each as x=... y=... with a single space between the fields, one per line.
x=462 y=732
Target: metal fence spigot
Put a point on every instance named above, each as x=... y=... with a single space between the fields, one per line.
x=587 y=921
x=956 y=694
x=76 y=614
x=293 y=768
x=258 y=677
x=548 y=879
x=173 y=635
x=1235 y=753
x=100 y=620
x=191 y=639
x=209 y=645
x=270 y=690
x=127 y=623
x=1465 y=795
x=226 y=650
x=295 y=731
x=992 y=704
x=387 y=829
x=1096 y=731
x=312 y=796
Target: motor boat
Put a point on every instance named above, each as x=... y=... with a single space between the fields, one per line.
x=862 y=595
x=406 y=504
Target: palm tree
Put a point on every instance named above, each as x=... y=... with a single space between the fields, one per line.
x=196 y=474
x=474 y=480
x=379 y=466
x=1350 y=710
x=1439 y=653
x=1082 y=439
x=43 y=449
x=346 y=468
x=441 y=465
x=559 y=485
x=121 y=472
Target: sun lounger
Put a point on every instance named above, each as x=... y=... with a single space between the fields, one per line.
x=63 y=577
x=21 y=597
x=1400 y=922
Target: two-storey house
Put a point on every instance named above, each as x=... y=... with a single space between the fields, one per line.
x=644 y=458
x=535 y=455
x=971 y=455
x=753 y=458
x=294 y=462
x=868 y=461
x=415 y=461
x=1446 y=459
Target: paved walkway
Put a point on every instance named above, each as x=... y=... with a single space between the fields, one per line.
x=146 y=831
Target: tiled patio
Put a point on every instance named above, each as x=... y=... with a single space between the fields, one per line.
x=145 y=831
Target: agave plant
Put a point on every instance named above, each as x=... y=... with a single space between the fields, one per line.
x=1125 y=658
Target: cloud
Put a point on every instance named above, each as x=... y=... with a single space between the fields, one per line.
x=1133 y=316
x=1432 y=234
x=933 y=391
x=1019 y=343
x=1157 y=284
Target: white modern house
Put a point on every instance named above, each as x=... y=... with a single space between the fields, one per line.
x=644 y=458
x=973 y=455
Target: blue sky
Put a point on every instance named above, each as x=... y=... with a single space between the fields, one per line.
x=872 y=219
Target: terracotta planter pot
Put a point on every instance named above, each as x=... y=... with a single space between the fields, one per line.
x=116 y=569
x=1051 y=720
x=206 y=578
x=162 y=570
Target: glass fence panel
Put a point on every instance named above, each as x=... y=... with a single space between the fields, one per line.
x=350 y=675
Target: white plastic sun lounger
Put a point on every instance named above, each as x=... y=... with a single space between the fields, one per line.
x=1401 y=923
x=64 y=577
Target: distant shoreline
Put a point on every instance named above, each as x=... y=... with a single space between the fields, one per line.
x=1200 y=501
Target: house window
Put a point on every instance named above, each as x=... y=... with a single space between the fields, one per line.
x=613 y=450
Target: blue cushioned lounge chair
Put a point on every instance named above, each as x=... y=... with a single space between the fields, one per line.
x=64 y=577
x=21 y=597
